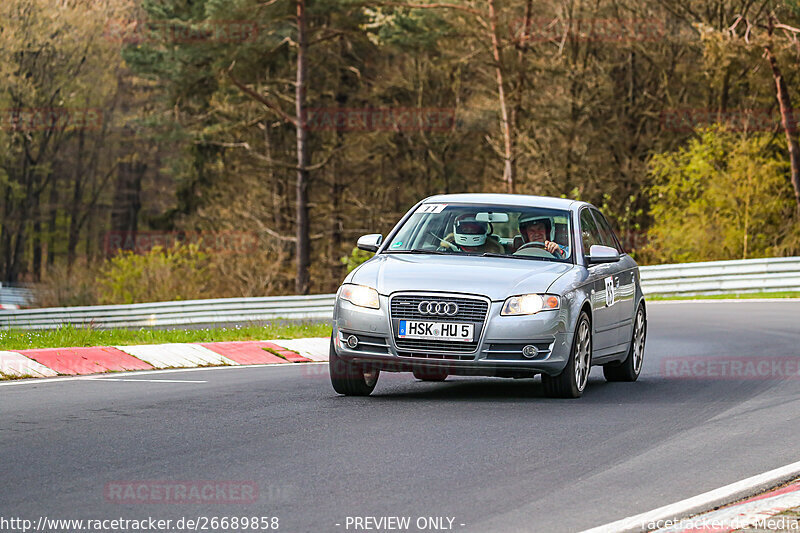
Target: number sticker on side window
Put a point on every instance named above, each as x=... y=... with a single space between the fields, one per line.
x=610 y=291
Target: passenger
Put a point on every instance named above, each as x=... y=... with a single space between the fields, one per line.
x=472 y=236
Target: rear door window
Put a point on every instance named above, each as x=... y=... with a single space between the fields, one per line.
x=590 y=235
x=606 y=233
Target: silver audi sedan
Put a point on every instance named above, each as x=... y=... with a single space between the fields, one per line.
x=491 y=285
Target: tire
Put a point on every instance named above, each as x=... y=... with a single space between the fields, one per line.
x=571 y=382
x=351 y=379
x=629 y=369
x=430 y=374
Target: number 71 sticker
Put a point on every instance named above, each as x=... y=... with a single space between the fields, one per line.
x=431 y=208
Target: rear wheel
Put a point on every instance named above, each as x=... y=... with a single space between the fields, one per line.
x=631 y=367
x=351 y=379
x=429 y=374
x=571 y=382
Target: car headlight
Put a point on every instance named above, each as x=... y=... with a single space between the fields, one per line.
x=529 y=304
x=360 y=295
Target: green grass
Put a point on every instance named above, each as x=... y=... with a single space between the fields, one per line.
x=738 y=296
x=72 y=337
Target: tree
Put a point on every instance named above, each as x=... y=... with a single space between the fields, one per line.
x=57 y=87
x=723 y=196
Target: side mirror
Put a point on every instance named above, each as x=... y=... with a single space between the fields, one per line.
x=370 y=243
x=602 y=254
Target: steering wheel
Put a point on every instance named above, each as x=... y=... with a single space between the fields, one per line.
x=534 y=244
x=448 y=245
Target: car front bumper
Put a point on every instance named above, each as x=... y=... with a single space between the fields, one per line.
x=498 y=352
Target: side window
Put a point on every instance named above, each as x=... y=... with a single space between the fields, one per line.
x=589 y=233
x=606 y=233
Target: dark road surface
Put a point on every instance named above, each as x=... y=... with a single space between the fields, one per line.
x=491 y=454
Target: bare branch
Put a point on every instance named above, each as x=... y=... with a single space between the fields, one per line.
x=788 y=28
x=261 y=98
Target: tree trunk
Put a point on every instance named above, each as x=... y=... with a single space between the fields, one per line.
x=509 y=164
x=37 y=235
x=74 y=209
x=337 y=184
x=522 y=80
x=787 y=120
x=303 y=156
x=52 y=217
x=127 y=202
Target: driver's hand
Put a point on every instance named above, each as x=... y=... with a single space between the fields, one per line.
x=553 y=248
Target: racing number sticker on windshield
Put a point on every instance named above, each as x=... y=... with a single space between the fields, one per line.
x=609 y=291
x=431 y=208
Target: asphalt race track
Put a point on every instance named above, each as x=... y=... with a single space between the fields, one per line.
x=492 y=454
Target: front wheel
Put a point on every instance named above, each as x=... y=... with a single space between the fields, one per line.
x=631 y=367
x=351 y=379
x=571 y=382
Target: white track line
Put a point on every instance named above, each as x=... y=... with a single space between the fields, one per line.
x=738 y=516
x=40 y=381
x=151 y=380
x=703 y=502
x=723 y=301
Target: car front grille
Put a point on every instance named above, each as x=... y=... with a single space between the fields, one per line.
x=419 y=345
x=442 y=356
x=470 y=310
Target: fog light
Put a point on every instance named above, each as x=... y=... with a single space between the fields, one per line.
x=530 y=351
x=352 y=342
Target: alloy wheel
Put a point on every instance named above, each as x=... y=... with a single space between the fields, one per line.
x=583 y=356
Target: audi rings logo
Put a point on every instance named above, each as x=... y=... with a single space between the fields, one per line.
x=438 y=308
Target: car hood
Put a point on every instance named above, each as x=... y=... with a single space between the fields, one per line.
x=495 y=277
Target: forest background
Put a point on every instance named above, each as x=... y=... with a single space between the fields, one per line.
x=173 y=149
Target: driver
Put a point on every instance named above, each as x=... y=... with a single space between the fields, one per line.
x=537 y=229
x=473 y=236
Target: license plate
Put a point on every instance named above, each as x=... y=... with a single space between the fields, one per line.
x=438 y=331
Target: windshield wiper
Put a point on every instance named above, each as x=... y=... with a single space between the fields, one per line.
x=419 y=252
x=534 y=258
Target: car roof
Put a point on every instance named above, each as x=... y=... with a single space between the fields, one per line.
x=522 y=200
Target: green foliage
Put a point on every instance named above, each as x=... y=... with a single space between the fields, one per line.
x=356 y=258
x=586 y=114
x=72 y=337
x=407 y=29
x=179 y=273
x=722 y=196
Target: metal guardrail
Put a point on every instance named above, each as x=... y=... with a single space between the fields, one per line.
x=18 y=296
x=719 y=277
x=166 y=314
x=723 y=277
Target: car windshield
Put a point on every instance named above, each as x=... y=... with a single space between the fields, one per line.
x=492 y=230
